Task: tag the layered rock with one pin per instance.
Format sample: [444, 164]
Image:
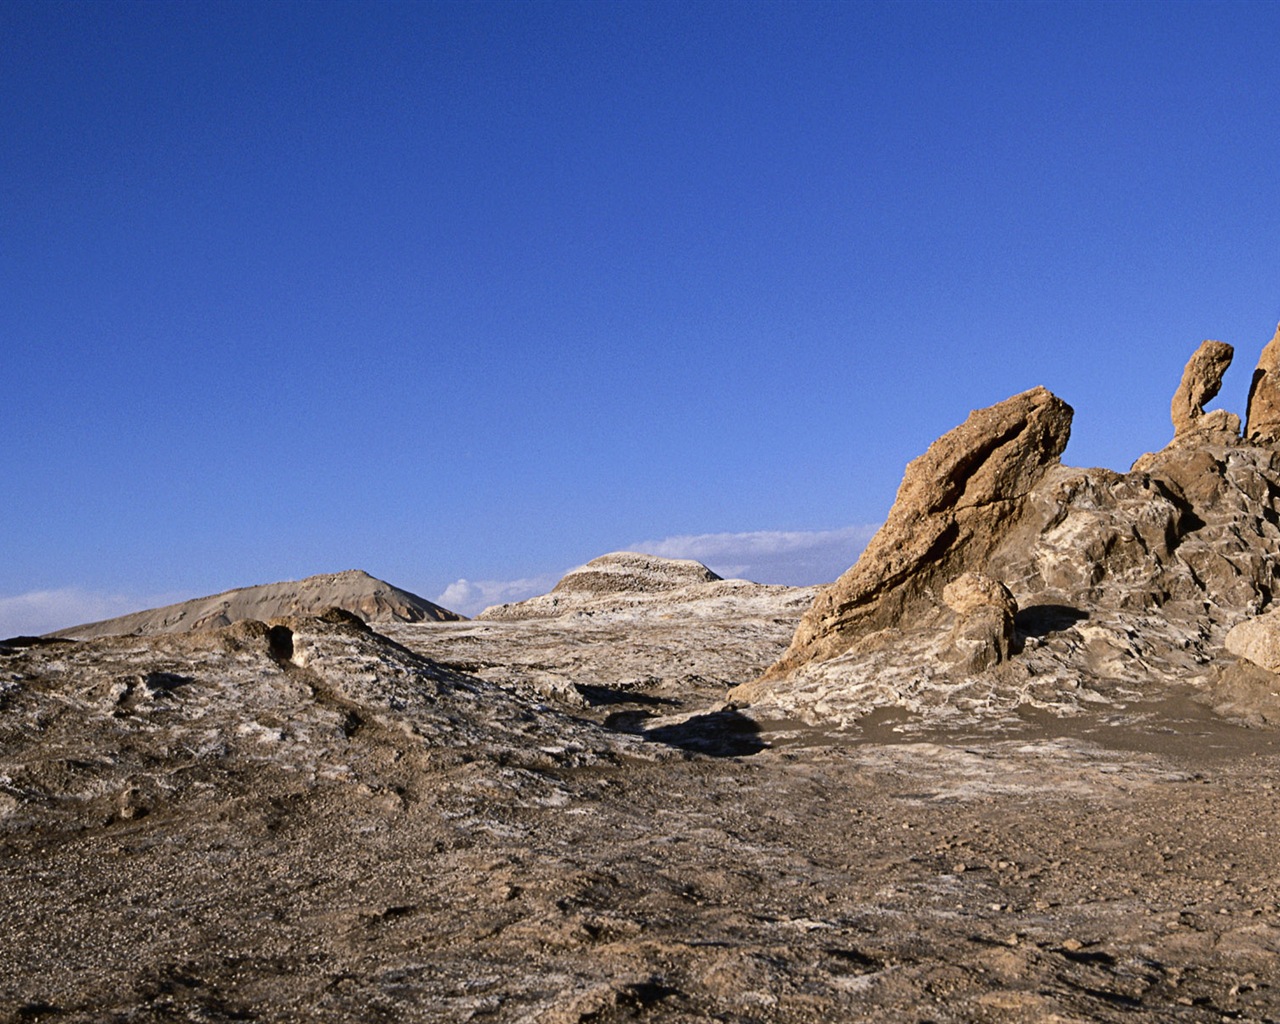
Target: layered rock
[1262, 417]
[353, 591]
[632, 572]
[953, 506]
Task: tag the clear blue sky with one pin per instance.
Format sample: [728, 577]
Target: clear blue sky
[481, 291]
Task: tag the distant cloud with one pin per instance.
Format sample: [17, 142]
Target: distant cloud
[797, 557]
[470, 597]
[43, 611]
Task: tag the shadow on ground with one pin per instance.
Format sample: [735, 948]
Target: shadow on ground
[1043, 619]
[716, 733]
[601, 695]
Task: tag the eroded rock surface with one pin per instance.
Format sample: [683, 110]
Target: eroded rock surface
[1127, 584]
[984, 610]
[1257, 640]
[951, 510]
[304, 821]
[371, 599]
[1262, 420]
[1201, 382]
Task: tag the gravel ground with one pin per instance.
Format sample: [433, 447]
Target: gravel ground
[590, 834]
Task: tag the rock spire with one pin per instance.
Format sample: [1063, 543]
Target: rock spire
[1262, 415]
[1201, 381]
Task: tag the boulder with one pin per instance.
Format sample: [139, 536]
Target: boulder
[1257, 640]
[1262, 415]
[985, 611]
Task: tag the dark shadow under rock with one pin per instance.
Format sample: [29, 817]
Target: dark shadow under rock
[597, 696]
[717, 733]
[1043, 619]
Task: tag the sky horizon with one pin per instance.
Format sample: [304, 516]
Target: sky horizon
[467, 294]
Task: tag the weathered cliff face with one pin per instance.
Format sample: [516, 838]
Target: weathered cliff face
[1124, 584]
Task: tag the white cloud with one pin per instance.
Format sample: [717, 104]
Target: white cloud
[796, 557]
[43, 611]
[469, 597]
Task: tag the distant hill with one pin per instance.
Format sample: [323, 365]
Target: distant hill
[627, 582]
[373, 600]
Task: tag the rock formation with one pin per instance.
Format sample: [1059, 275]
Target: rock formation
[354, 591]
[1257, 640]
[1129, 579]
[1262, 416]
[626, 581]
[629, 572]
[1201, 381]
[984, 610]
[951, 510]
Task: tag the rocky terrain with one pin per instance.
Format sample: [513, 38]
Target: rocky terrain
[1018, 764]
[1003, 581]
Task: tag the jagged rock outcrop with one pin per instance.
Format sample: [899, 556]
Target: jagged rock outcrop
[951, 509]
[1119, 580]
[1201, 382]
[1262, 416]
[353, 591]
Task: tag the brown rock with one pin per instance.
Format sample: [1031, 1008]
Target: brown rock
[983, 631]
[975, 590]
[951, 510]
[1257, 640]
[1262, 415]
[1201, 381]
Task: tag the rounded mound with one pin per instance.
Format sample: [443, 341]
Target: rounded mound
[628, 572]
